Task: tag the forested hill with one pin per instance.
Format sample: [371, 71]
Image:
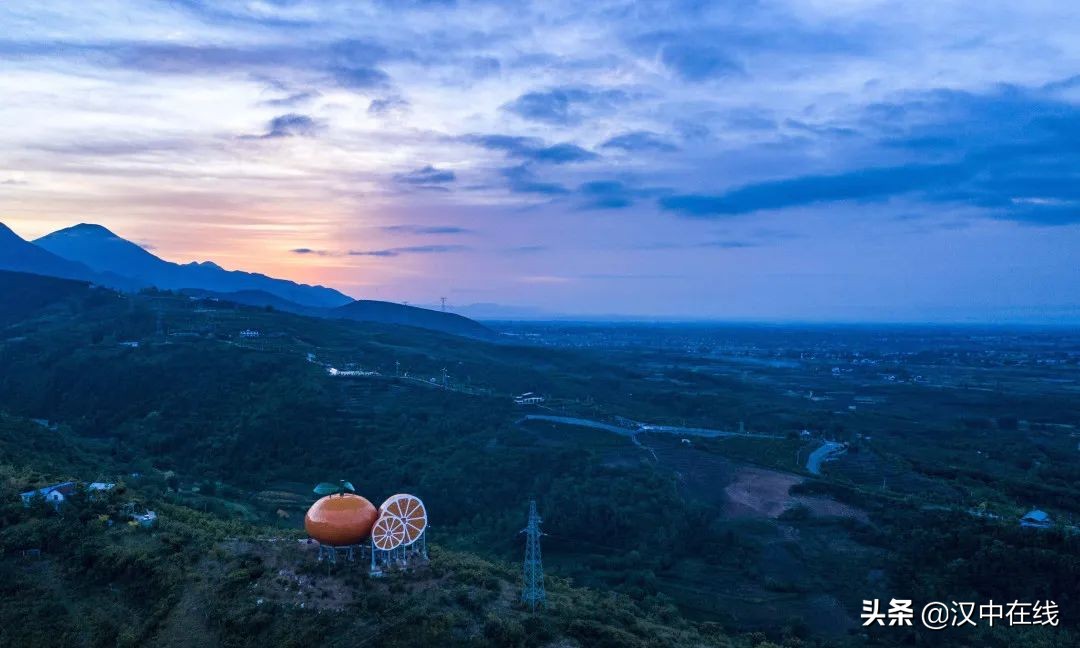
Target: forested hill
[221, 417]
[22, 295]
[223, 437]
[389, 313]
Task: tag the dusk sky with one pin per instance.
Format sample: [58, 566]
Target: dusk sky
[815, 160]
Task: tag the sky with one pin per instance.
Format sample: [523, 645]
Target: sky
[819, 160]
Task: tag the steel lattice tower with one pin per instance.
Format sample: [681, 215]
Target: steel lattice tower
[533, 594]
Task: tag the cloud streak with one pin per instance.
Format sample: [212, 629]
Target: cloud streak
[426, 229]
[427, 176]
[410, 249]
[564, 105]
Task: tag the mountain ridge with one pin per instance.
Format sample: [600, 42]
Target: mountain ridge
[93, 253]
[104, 251]
[367, 310]
[20, 255]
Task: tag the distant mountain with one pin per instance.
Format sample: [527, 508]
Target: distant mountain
[99, 249]
[362, 311]
[18, 255]
[390, 313]
[93, 253]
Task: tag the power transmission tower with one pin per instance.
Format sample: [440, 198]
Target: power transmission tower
[443, 300]
[533, 594]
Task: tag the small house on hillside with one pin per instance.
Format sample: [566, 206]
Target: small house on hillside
[1036, 519]
[58, 493]
[55, 494]
[529, 398]
[249, 333]
[97, 488]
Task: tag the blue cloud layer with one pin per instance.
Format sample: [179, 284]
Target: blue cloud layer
[1013, 151]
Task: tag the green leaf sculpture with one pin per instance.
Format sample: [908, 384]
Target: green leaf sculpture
[326, 488]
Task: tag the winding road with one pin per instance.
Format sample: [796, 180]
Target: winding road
[643, 427]
[828, 451]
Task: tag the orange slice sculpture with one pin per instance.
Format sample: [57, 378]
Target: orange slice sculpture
[388, 533]
[410, 510]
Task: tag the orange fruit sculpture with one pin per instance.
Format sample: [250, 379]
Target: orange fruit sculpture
[339, 520]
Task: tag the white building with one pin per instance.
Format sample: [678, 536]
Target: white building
[57, 494]
[529, 398]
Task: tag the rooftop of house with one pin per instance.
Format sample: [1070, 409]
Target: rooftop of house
[1036, 515]
[65, 488]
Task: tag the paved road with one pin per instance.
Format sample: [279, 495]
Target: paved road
[580, 422]
[829, 450]
[656, 429]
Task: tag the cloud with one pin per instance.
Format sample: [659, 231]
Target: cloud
[606, 195]
[217, 13]
[361, 78]
[861, 184]
[613, 194]
[825, 130]
[728, 244]
[291, 125]
[293, 99]
[522, 181]
[484, 66]
[699, 62]
[1010, 152]
[603, 276]
[525, 249]
[718, 244]
[426, 229]
[533, 149]
[701, 48]
[561, 154]
[563, 106]
[118, 147]
[639, 141]
[387, 105]
[312, 252]
[350, 63]
[412, 249]
[427, 176]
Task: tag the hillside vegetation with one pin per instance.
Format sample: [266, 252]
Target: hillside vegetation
[650, 540]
